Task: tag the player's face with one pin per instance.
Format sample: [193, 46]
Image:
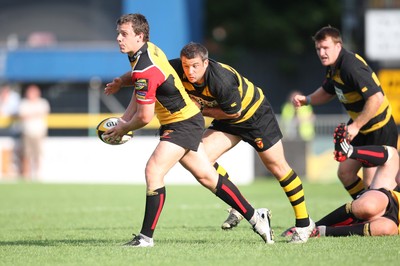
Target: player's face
[128, 41]
[194, 69]
[328, 51]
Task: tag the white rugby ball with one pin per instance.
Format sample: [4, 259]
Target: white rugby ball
[105, 125]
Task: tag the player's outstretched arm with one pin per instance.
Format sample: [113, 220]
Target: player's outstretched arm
[117, 83]
[318, 97]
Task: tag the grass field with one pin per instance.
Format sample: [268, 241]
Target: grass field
[54, 224]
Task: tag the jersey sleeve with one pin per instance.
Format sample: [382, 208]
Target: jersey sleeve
[146, 84]
[226, 91]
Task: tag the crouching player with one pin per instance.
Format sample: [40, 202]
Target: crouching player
[376, 211]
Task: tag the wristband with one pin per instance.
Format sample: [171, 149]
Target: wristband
[308, 100]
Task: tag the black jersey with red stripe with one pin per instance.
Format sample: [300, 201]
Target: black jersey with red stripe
[224, 87]
[353, 81]
[156, 81]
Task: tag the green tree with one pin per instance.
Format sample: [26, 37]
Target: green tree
[279, 26]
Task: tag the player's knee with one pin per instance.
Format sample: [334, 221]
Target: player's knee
[279, 169]
[384, 228]
[365, 210]
[346, 176]
[341, 174]
[389, 230]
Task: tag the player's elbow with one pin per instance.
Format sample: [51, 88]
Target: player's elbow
[144, 118]
[379, 98]
[236, 115]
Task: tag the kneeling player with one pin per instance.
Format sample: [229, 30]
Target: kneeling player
[376, 211]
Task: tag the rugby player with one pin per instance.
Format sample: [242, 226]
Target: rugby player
[159, 91]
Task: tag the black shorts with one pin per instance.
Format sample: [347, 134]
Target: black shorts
[186, 133]
[392, 209]
[386, 135]
[261, 130]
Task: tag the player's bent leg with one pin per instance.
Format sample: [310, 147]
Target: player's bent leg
[164, 157]
[370, 205]
[234, 216]
[275, 162]
[197, 163]
[385, 175]
[215, 144]
[348, 175]
[379, 227]
[259, 219]
[368, 174]
[383, 227]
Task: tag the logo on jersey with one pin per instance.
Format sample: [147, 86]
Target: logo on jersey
[141, 88]
[165, 134]
[140, 84]
[259, 143]
[152, 193]
[340, 95]
[135, 56]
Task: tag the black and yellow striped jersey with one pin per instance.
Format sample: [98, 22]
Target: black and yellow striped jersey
[353, 81]
[225, 88]
[156, 81]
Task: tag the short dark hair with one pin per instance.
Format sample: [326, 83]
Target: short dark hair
[139, 24]
[328, 31]
[192, 50]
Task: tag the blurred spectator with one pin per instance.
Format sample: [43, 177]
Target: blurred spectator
[41, 39]
[9, 104]
[33, 113]
[297, 123]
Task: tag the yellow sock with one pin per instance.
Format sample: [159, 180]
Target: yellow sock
[356, 188]
[293, 188]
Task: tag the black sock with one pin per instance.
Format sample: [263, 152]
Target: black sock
[230, 194]
[362, 229]
[154, 205]
[370, 155]
[340, 216]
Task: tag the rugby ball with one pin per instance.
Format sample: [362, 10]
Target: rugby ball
[105, 125]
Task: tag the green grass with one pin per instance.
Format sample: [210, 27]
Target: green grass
[52, 224]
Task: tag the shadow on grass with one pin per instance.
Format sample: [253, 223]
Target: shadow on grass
[202, 231]
[57, 242]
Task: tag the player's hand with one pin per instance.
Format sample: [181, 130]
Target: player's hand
[352, 132]
[116, 133]
[113, 87]
[299, 100]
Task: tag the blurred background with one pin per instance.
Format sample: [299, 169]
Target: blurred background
[68, 49]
